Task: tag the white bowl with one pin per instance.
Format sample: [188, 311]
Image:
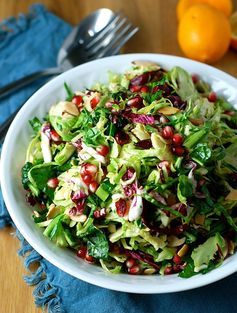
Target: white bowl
[13, 157]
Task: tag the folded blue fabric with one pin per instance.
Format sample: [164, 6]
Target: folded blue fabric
[30, 43]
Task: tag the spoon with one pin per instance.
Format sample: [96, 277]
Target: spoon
[74, 50]
[100, 34]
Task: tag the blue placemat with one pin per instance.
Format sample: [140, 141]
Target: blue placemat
[29, 43]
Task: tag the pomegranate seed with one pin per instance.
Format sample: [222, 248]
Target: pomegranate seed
[115, 249]
[78, 195]
[93, 186]
[122, 138]
[134, 270]
[201, 182]
[144, 144]
[54, 135]
[167, 132]
[78, 209]
[100, 213]
[195, 78]
[102, 150]
[163, 120]
[144, 78]
[212, 97]
[178, 230]
[53, 183]
[179, 151]
[96, 214]
[177, 140]
[130, 262]
[89, 258]
[77, 100]
[168, 270]
[87, 179]
[103, 212]
[178, 267]
[144, 89]
[121, 207]
[94, 101]
[88, 169]
[31, 200]
[230, 113]
[136, 102]
[135, 88]
[82, 252]
[177, 259]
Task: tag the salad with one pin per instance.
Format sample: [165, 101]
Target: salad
[138, 175]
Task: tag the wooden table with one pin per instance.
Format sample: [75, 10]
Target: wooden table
[157, 22]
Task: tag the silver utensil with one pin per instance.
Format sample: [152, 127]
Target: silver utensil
[100, 34]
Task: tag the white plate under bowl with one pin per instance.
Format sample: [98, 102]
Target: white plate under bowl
[13, 157]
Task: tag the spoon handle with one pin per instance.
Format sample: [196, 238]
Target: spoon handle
[6, 90]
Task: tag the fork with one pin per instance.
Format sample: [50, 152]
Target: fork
[107, 42]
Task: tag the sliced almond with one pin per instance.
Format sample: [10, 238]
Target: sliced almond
[36, 214]
[168, 110]
[174, 241]
[183, 250]
[79, 218]
[196, 121]
[70, 109]
[145, 63]
[199, 219]
[231, 247]
[53, 211]
[64, 109]
[232, 195]
[149, 271]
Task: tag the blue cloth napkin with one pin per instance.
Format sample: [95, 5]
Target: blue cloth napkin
[30, 43]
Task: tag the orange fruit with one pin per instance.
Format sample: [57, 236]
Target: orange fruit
[233, 24]
[224, 6]
[204, 33]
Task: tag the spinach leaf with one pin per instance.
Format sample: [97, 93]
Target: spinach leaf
[185, 188]
[150, 97]
[42, 216]
[41, 173]
[24, 174]
[202, 206]
[188, 271]
[93, 137]
[201, 153]
[35, 124]
[97, 245]
[220, 209]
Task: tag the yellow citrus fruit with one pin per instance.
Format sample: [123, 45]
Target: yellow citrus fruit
[204, 33]
[233, 24]
[224, 6]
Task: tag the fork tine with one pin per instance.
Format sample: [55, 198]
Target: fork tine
[115, 50]
[108, 38]
[117, 42]
[103, 33]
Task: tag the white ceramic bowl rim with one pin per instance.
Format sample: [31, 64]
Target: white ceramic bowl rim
[18, 137]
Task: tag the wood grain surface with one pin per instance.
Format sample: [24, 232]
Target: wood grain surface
[157, 22]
